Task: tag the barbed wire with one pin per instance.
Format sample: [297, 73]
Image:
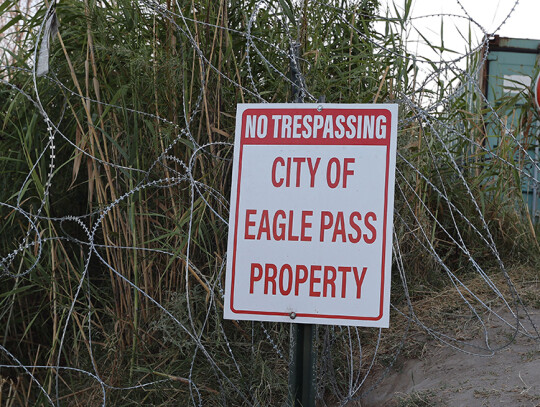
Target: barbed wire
[194, 324]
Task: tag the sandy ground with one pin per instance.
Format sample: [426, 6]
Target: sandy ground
[443, 376]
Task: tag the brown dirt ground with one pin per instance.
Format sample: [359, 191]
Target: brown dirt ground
[443, 376]
[438, 375]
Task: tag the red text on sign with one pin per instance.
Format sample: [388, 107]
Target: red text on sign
[319, 280]
[282, 168]
[278, 226]
[337, 228]
[287, 172]
[334, 173]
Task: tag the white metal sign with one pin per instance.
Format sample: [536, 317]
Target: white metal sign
[310, 228]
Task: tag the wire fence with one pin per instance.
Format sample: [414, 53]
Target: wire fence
[116, 154]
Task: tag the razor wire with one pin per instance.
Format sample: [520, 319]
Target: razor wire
[358, 352]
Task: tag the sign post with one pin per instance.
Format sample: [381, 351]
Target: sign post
[303, 362]
[310, 227]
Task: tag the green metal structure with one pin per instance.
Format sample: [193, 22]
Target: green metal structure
[508, 74]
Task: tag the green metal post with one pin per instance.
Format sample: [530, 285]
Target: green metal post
[302, 367]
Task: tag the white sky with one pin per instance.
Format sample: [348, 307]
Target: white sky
[523, 22]
[426, 21]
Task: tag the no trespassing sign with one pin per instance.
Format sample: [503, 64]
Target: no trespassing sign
[310, 226]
